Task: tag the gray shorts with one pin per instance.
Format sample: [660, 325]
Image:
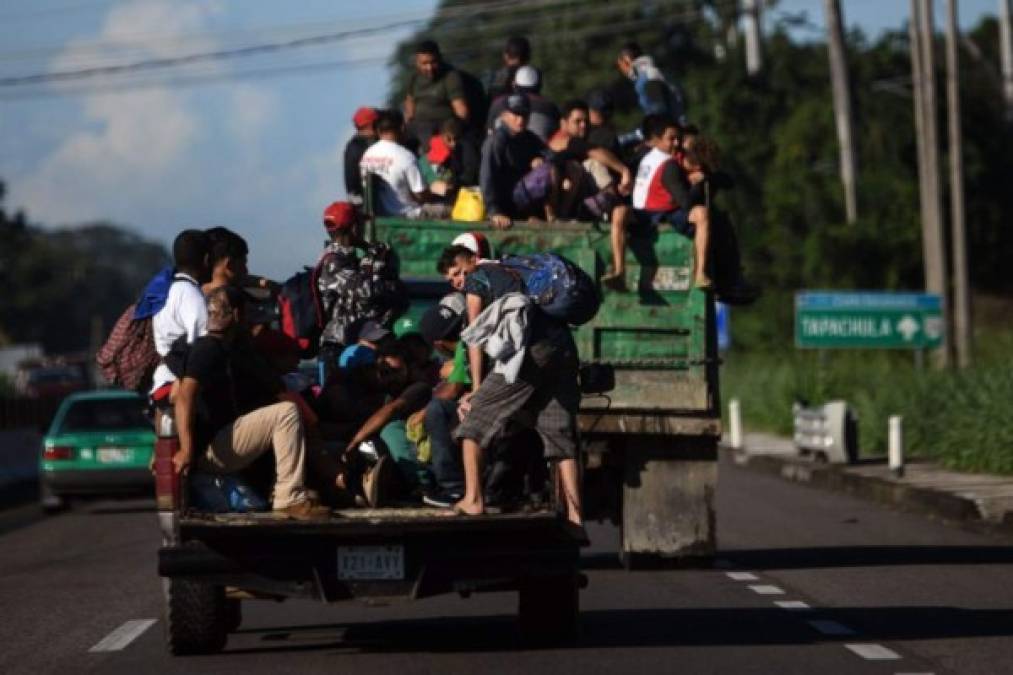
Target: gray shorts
[546, 391]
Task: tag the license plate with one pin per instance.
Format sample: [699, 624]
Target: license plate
[370, 562]
[113, 455]
[671, 279]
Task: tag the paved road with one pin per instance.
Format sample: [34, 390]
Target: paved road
[877, 583]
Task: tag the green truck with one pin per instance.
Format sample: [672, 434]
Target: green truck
[649, 463]
[650, 444]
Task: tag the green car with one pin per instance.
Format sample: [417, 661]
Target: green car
[99, 444]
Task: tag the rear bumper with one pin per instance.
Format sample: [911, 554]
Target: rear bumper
[301, 560]
[98, 482]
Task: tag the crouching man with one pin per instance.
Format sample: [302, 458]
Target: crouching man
[538, 384]
[221, 430]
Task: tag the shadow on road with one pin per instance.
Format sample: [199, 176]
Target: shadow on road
[621, 628]
[867, 556]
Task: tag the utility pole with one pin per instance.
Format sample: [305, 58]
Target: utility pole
[932, 209]
[961, 291]
[751, 14]
[1006, 49]
[842, 105]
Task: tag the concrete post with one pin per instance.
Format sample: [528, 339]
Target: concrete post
[735, 424]
[896, 447]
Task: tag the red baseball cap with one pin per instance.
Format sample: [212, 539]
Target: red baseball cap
[340, 216]
[363, 117]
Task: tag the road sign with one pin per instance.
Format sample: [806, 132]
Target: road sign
[876, 320]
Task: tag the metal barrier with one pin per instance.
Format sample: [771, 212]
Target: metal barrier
[828, 432]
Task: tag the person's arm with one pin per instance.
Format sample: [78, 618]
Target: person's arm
[474, 306]
[612, 162]
[674, 181]
[409, 108]
[375, 423]
[456, 95]
[460, 107]
[186, 398]
[486, 177]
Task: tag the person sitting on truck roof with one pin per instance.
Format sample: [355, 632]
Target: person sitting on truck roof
[655, 94]
[453, 158]
[544, 119]
[546, 385]
[513, 165]
[600, 130]
[364, 120]
[222, 424]
[516, 53]
[435, 93]
[185, 312]
[661, 194]
[401, 191]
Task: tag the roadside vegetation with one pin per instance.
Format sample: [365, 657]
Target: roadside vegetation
[958, 418]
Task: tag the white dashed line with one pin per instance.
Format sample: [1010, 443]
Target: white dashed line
[830, 627]
[123, 636]
[767, 590]
[742, 576]
[792, 604]
[873, 652]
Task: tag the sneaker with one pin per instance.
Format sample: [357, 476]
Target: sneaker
[442, 499]
[307, 509]
[380, 483]
[615, 281]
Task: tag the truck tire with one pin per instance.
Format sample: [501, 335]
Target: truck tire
[233, 614]
[196, 617]
[548, 610]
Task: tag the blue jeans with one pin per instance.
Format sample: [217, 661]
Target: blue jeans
[441, 418]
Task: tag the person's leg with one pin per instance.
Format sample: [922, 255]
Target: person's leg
[557, 425]
[275, 426]
[446, 459]
[700, 217]
[473, 502]
[617, 277]
[569, 478]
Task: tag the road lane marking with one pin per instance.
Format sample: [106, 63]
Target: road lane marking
[830, 627]
[767, 590]
[742, 576]
[123, 636]
[792, 604]
[873, 652]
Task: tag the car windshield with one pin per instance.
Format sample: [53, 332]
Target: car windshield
[105, 415]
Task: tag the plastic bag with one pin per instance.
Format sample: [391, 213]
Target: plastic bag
[469, 206]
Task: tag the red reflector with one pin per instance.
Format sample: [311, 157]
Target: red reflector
[58, 452]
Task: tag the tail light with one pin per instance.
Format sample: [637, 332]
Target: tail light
[166, 478]
[58, 452]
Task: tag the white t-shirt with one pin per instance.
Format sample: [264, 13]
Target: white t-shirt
[185, 313]
[396, 165]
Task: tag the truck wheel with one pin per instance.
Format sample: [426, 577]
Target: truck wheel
[197, 618]
[549, 610]
[233, 614]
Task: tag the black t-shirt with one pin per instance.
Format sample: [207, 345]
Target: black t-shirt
[491, 282]
[416, 397]
[208, 362]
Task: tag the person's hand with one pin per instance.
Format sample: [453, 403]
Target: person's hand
[537, 162]
[464, 405]
[625, 183]
[181, 462]
[439, 187]
[500, 222]
[416, 418]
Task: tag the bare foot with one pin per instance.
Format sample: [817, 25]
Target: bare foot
[703, 282]
[467, 507]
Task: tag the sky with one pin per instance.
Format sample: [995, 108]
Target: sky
[235, 141]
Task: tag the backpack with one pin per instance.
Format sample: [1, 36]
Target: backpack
[533, 189]
[128, 358]
[559, 287]
[301, 308]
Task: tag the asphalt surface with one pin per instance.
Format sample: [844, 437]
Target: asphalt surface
[931, 597]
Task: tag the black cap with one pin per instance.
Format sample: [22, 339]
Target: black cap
[518, 104]
[371, 331]
[442, 321]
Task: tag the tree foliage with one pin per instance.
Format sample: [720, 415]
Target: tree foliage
[776, 129]
[56, 281]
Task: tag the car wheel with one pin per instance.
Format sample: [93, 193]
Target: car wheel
[49, 501]
[196, 617]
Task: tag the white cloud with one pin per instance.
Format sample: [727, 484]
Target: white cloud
[128, 145]
[253, 109]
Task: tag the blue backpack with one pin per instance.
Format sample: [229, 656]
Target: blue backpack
[559, 287]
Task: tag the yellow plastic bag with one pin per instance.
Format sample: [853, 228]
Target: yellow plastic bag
[468, 206]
